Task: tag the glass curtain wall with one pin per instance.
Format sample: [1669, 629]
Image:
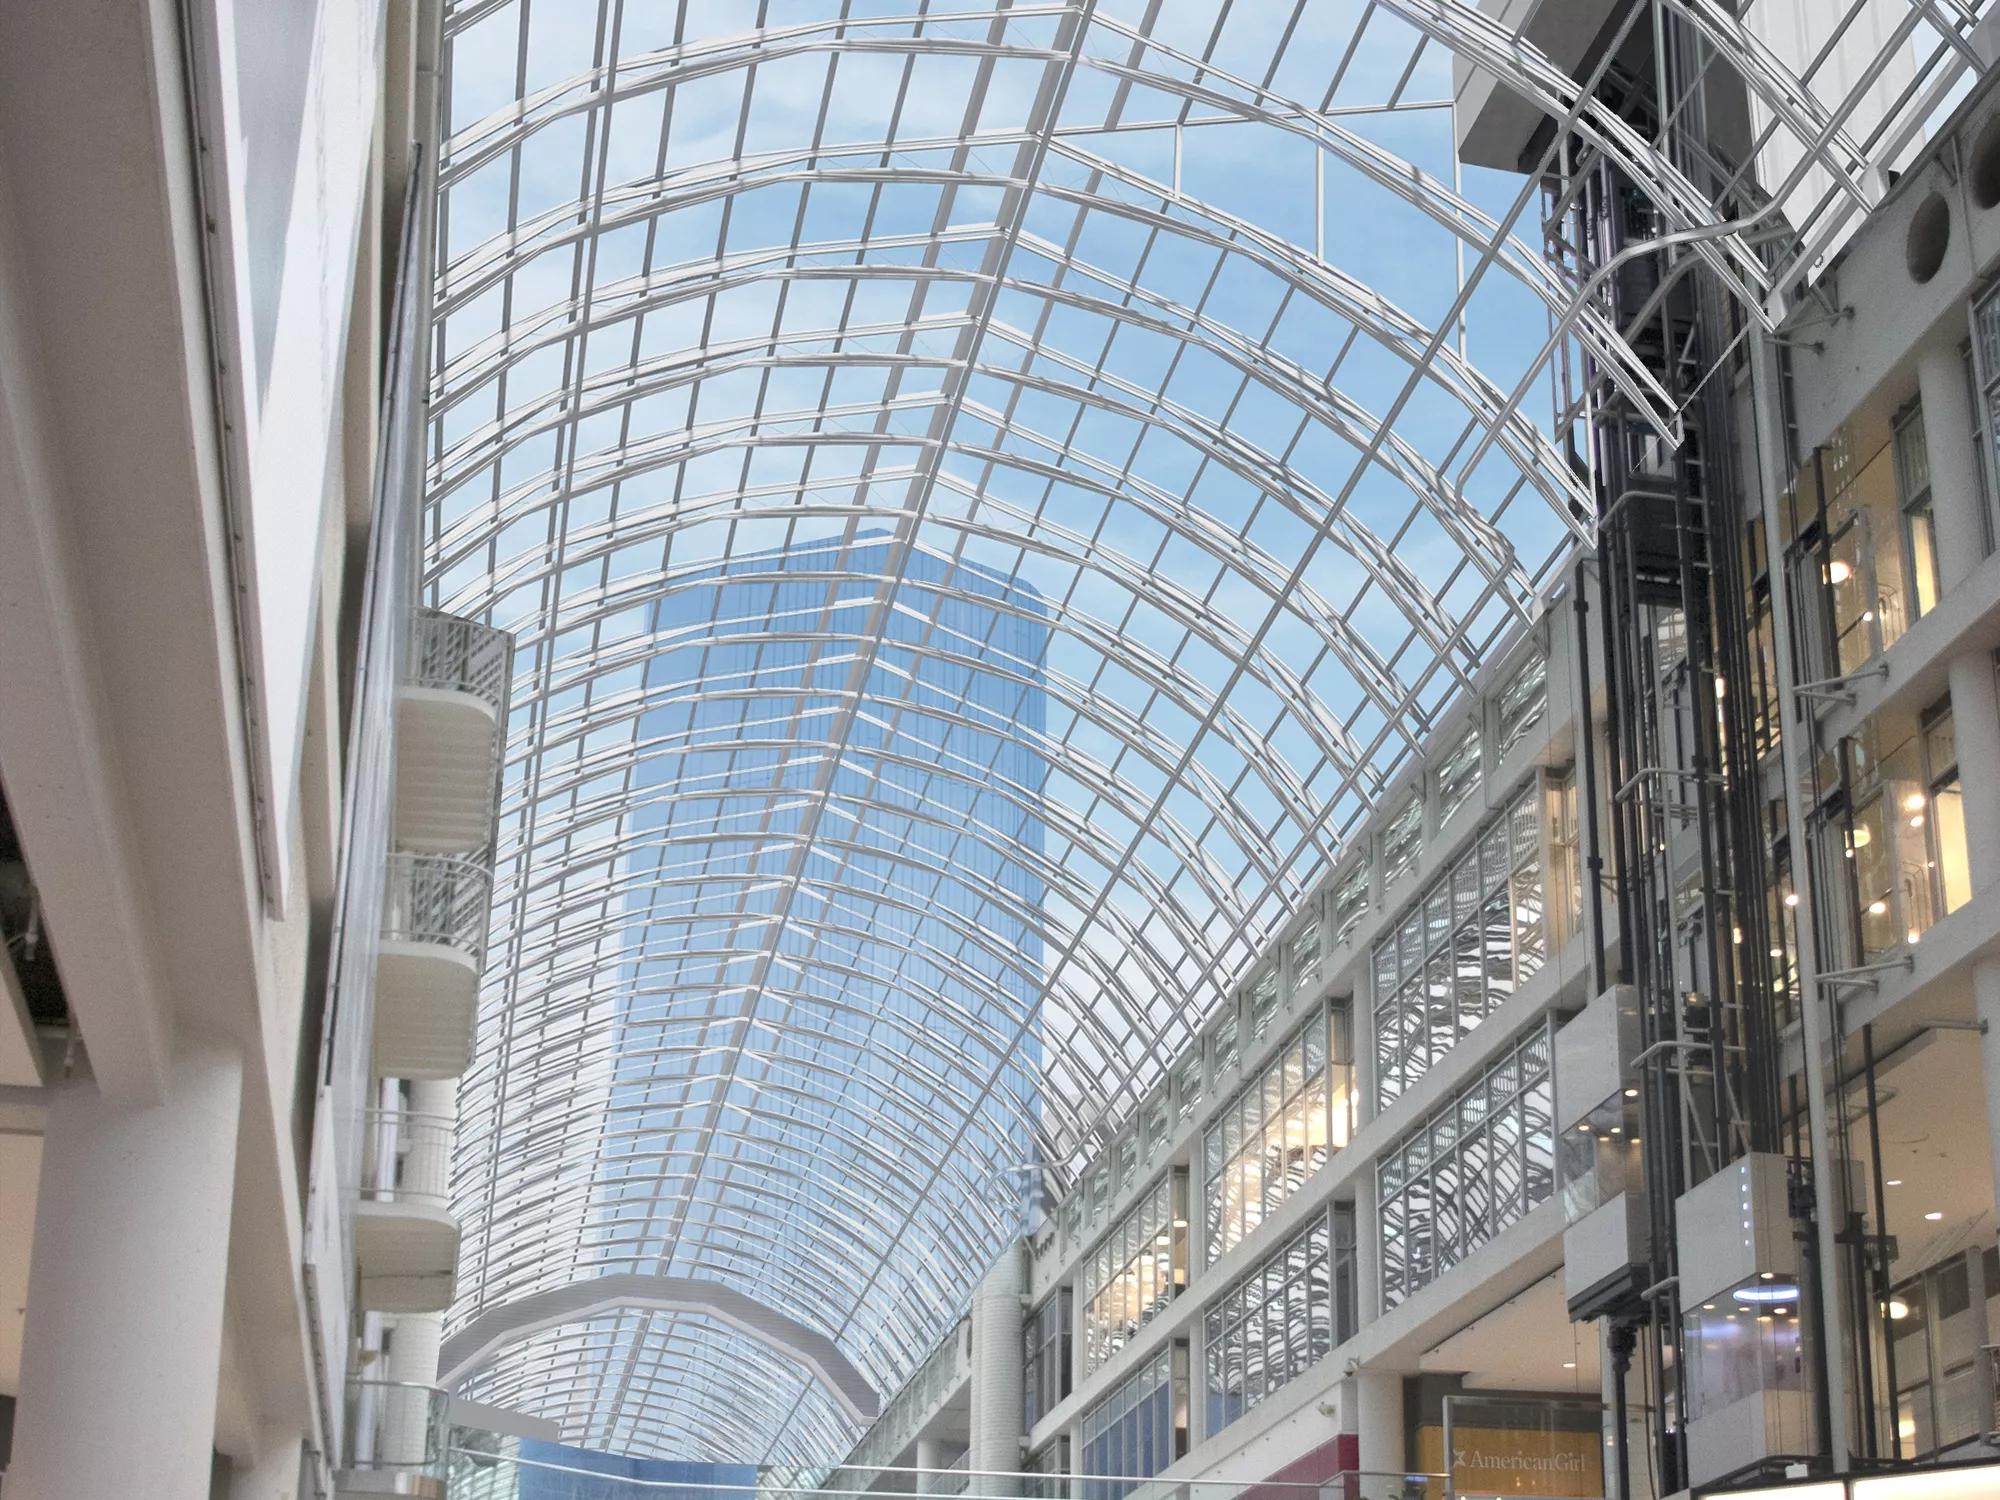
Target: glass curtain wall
[1888, 836]
[1279, 1318]
[1139, 1428]
[1048, 1354]
[1473, 937]
[1475, 1166]
[1940, 1319]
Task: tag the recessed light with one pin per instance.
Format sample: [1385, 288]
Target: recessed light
[1569, 1364]
[1894, 1182]
[1933, 1216]
[1631, 1093]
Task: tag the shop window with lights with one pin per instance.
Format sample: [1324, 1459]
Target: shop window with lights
[1850, 585]
[1944, 812]
[1279, 1318]
[1936, 1329]
[1279, 1129]
[1781, 918]
[1479, 1162]
[1136, 1270]
[1913, 487]
[1874, 884]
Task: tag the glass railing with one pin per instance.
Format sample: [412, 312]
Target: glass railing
[396, 1427]
[490, 1470]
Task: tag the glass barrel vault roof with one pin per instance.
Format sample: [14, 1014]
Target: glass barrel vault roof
[988, 497]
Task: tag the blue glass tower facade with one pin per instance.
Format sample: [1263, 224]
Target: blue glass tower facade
[835, 839]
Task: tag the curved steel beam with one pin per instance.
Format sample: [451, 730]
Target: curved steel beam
[478, 1341]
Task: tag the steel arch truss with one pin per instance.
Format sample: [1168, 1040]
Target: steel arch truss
[988, 497]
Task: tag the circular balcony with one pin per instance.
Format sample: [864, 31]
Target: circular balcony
[432, 946]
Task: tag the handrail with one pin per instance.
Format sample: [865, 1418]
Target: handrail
[438, 898]
[407, 1158]
[460, 654]
[394, 1424]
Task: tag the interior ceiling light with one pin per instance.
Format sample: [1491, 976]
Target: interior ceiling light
[1768, 1293]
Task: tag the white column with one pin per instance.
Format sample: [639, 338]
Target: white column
[121, 1347]
[274, 1474]
[930, 1463]
[996, 1372]
[412, 1368]
[1956, 500]
[1367, 1249]
[1378, 1421]
[1975, 701]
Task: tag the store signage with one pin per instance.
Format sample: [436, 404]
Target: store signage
[1493, 1461]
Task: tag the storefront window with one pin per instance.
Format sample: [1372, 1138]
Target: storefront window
[1187, 1086]
[1913, 485]
[1475, 1166]
[1874, 847]
[1138, 1429]
[1934, 1324]
[1140, 1266]
[1462, 948]
[1260, 1002]
[1850, 580]
[1951, 879]
[1277, 1131]
[1279, 1318]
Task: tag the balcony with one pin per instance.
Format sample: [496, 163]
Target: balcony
[434, 913]
[451, 713]
[405, 1239]
[395, 1441]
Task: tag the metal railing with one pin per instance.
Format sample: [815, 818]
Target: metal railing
[449, 651]
[392, 1425]
[937, 1377]
[486, 1474]
[408, 1158]
[438, 898]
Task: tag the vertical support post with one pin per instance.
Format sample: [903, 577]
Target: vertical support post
[997, 1373]
[121, 1346]
[1829, 1209]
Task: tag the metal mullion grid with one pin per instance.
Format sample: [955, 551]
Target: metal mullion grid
[943, 207]
[1154, 1047]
